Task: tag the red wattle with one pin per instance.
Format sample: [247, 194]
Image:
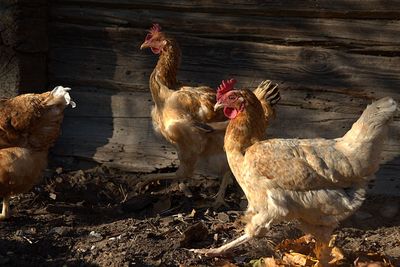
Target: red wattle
[155, 50]
[231, 113]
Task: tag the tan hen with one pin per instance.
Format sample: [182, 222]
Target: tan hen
[319, 182]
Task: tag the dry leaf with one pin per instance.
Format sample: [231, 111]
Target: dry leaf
[225, 263]
[267, 262]
[372, 260]
[299, 259]
[332, 241]
[304, 245]
[192, 214]
[337, 255]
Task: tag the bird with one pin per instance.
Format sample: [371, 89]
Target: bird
[29, 126]
[185, 117]
[318, 182]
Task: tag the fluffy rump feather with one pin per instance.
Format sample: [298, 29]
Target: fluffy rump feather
[60, 93]
[334, 205]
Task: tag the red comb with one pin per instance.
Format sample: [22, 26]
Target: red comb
[155, 28]
[225, 87]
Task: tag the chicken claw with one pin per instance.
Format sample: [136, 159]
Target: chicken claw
[220, 196]
[220, 201]
[153, 177]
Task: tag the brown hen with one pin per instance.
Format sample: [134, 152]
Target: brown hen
[318, 182]
[29, 126]
[181, 114]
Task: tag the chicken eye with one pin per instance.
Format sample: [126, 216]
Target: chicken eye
[231, 97]
[148, 37]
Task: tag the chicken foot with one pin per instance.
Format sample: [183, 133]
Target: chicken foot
[5, 213]
[322, 253]
[213, 252]
[259, 222]
[152, 177]
[322, 236]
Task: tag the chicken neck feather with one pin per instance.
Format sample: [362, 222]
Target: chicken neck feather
[246, 129]
[166, 71]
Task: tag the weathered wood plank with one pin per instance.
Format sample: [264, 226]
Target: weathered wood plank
[117, 63]
[373, 9]
[321, 32]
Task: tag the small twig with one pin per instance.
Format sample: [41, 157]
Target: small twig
[152, 225]
[171, 209]
[180, 232]
[27, 239]
[34, 199]
[124, 194]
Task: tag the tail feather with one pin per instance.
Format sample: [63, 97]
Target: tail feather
[363, 143]
[268, 94]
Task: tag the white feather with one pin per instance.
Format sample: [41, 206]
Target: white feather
[62, 92]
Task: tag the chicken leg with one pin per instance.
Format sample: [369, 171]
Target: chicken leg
[258, 223]
[213, 252]
[5, 213]
[322, 235]
[187, 160]
[220, 196]
[322, 253]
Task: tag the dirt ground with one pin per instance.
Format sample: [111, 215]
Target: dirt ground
[95, 218]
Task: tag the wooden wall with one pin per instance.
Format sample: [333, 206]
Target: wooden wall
[23, 46]
[330, 58]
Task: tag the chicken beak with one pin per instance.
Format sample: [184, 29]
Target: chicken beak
[218, 105]
[144, 45]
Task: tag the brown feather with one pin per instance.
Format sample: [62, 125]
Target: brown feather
[29, 126]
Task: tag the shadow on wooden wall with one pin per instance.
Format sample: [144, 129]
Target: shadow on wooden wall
[75, 60]
[330, 62]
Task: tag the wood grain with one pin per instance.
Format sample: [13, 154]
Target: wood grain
[372, 9]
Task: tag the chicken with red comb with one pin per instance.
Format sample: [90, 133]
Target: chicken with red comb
[185, 116]
[317, 182]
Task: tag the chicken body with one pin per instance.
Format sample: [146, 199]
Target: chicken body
[319, 182]
[183, 114]
[179, 114]
[29, 126]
